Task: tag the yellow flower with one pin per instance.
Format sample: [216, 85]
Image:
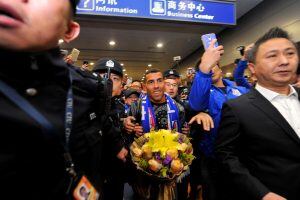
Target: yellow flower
[163, 140]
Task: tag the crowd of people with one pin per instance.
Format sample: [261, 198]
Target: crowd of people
[66, 130]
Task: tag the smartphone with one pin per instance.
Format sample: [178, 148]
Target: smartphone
[75, 54]
[207, 39]
[185, 91]
[190, 71]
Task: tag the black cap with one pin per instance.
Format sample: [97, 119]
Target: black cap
[171, 72]
[74, 4]
[103, 64]
[129, 92]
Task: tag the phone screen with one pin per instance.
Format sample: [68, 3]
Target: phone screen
[75, 54]
[207, 39]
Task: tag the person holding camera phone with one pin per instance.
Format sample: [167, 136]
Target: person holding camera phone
[190, 75]
[208, 93]
[242, 65]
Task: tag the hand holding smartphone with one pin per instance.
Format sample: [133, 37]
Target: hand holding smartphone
[75, 54]
[212, 54]
[207, 39]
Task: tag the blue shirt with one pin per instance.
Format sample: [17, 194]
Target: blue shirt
[205, 96]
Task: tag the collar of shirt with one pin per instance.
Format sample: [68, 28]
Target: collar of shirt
[271, 95]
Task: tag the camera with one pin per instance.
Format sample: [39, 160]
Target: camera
[241, 49]
[191, 71]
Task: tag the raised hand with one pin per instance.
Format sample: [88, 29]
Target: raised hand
[211, 57]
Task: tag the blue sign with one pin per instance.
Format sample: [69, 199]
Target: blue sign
[215, 12]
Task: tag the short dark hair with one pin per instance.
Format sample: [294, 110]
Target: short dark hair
[273, 33]
[152, 71]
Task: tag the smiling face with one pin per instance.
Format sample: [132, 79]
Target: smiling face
[155, 87]
[35, 25]
[276, 63]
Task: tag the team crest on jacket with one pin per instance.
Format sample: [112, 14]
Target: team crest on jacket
[236, 92]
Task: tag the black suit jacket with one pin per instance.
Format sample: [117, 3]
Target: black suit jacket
[258, 150]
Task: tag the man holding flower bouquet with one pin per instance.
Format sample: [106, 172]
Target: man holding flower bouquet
[155, 111]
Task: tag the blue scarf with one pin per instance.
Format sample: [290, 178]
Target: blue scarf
[148, 115]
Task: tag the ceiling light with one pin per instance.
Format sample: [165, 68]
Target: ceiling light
[159, 45]
[149, 65]
[61, 41]
[112, 43]
[126, 74]
[147, 70]
[124, 70]
[92, 63]
[122, 64]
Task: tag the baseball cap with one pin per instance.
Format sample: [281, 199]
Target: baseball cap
[129, 92]
[103, 64]
[171, 72]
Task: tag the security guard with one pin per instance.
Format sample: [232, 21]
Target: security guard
[51, 138]
[115, 151]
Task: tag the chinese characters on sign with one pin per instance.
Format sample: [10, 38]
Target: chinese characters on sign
[184, 10]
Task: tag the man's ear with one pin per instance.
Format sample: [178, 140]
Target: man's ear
[251, 67]
[72, 32]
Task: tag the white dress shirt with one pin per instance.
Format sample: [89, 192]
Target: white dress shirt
[287, 105]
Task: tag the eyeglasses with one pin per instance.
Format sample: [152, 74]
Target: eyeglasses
[172, 84]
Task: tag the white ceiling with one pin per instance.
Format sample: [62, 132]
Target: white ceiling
[136, 40]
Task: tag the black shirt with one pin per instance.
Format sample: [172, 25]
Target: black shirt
[30, 163]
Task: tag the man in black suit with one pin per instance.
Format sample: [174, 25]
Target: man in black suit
[258, 144]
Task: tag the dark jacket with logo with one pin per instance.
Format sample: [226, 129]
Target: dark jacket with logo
[32, 163]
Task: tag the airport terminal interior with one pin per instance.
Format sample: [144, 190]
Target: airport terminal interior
[150, 100]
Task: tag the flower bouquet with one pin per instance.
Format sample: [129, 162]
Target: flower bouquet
[163, 154]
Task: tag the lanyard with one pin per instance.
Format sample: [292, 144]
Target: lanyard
[46, 126]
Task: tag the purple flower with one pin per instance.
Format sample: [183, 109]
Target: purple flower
[180, 140]
[167, 160]
[157, 156]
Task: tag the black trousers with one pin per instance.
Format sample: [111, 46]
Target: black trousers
[114, 182]
[209, 175]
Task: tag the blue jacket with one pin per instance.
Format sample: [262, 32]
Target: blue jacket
[238, 74]
[204, 96]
